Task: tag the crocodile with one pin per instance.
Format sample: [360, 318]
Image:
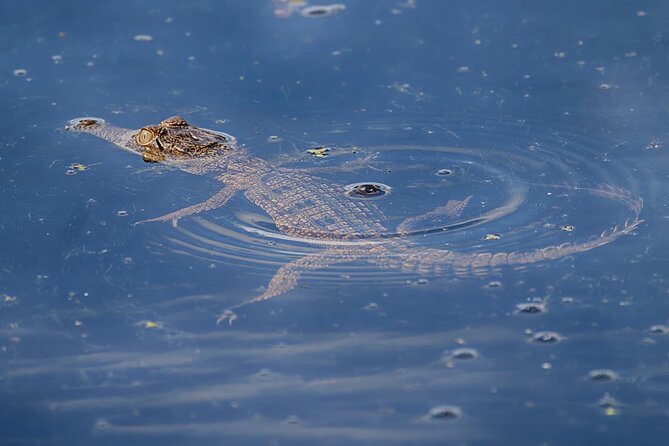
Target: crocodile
[305, 205]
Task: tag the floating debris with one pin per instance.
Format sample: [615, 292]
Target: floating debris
[319, 152]
[567, 228]
[57, 58]
[122, 213]
[150, 324]
[20, 72]
[143, 37]
[322, 11]
[489, 237]
[444, 172]
[78, 167]
[8, 301]
[654, 144]
[463, 69]
[610, 407]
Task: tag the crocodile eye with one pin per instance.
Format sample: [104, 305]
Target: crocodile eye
[144, 137]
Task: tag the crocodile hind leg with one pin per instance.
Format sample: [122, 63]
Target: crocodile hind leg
[286, 277]
[452, 209]
[215, 201]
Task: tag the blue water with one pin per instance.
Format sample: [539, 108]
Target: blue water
[107, 328]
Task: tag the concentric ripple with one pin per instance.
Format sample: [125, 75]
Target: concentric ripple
[503, 187]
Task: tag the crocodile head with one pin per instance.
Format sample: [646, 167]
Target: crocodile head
[173, 141]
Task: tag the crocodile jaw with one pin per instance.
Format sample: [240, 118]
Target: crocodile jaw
[99, 127]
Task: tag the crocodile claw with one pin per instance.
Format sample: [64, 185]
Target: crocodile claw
[228, 315]
[162, 219]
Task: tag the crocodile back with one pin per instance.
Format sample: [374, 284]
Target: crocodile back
[306, 206]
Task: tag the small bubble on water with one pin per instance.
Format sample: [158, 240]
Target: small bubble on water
[659, 329]
[546, 337]
[293, 420]
[20, 72]
[445, 413]
[531, 308]
[444, 172]
[322, 11]
[143, 37]
[602, 375]
[462, 354]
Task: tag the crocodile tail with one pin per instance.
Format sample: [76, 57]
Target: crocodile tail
[430, 261]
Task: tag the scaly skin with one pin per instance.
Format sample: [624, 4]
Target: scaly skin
[306, 206]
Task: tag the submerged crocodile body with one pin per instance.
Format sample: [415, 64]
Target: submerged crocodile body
[307, 206]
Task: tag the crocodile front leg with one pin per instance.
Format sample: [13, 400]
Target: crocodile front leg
[215, 201]
[452, 209]
[286, 277]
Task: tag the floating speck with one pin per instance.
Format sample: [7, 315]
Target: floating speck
[641, 13]
[322, 11]
[293, 420]
[444, 172]
[546, 337]
[122, 213]
[149, 324]
[445, 413]
[605, 86]
[631, 54]
[143, 37]
[560, 54]
[567, 228]
[422, 281]
[531, 308]
[490, 237]
[602, 375]
[659, 329]
[78, 323]
[273, 138]
[372, 306]
[20, 72]
[463, 69]
[462, 354]
[57, 58]
[494, 284]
